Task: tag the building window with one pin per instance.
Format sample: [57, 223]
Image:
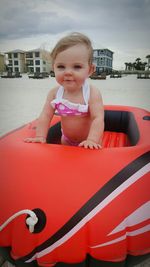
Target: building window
[16, 69]
[16, 62]
[101, 52]
[29, 55]
[9, 55]
[37, 54]
[29, 62]
[15, 55]
[101, 61]
[37, 62]
[10, 63]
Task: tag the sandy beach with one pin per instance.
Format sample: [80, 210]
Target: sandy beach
[22, 99]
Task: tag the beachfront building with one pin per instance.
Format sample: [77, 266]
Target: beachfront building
[38, 60]
[148, 63]
[103, 59]
[2, 62]
[16, 61]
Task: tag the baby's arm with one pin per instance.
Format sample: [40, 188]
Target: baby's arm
[43, 120]
[96, 109]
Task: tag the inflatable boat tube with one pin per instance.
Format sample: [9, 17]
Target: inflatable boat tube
[70, 206]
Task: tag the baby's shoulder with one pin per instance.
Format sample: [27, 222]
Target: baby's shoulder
[94, 91]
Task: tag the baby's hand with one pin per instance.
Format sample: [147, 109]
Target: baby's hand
[90, 144]
[38, 139]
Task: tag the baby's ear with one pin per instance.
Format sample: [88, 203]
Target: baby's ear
[92, 69]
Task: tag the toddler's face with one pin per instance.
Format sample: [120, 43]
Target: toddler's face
[72, 66]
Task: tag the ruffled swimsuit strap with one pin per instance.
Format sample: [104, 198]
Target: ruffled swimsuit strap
[60, 92]
[65, 107]
[86, 92]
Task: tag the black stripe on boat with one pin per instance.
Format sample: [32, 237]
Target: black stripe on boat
[94, 201]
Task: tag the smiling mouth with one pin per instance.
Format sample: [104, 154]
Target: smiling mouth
[67, 80]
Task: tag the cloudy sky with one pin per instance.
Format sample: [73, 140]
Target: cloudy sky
[122, 26]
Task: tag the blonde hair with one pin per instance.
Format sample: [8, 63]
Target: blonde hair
[71, 40]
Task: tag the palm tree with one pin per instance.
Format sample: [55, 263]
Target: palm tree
[138, 59]
[138, 64]
[126, 65]
[130, 66]
[134, 65]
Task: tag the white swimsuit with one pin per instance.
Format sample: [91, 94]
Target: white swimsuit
[64, 107]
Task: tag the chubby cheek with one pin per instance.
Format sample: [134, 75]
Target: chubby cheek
[58, 76]
[83, 76]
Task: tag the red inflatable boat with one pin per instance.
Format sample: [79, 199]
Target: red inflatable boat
[70, 206]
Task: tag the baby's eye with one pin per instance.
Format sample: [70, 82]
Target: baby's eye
[60, 67]
[77, 67]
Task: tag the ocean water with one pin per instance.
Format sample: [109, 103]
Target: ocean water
[22, 99]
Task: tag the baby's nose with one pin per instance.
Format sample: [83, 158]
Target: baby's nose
[68, 71]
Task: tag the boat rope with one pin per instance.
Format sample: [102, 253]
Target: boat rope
[30, 221]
